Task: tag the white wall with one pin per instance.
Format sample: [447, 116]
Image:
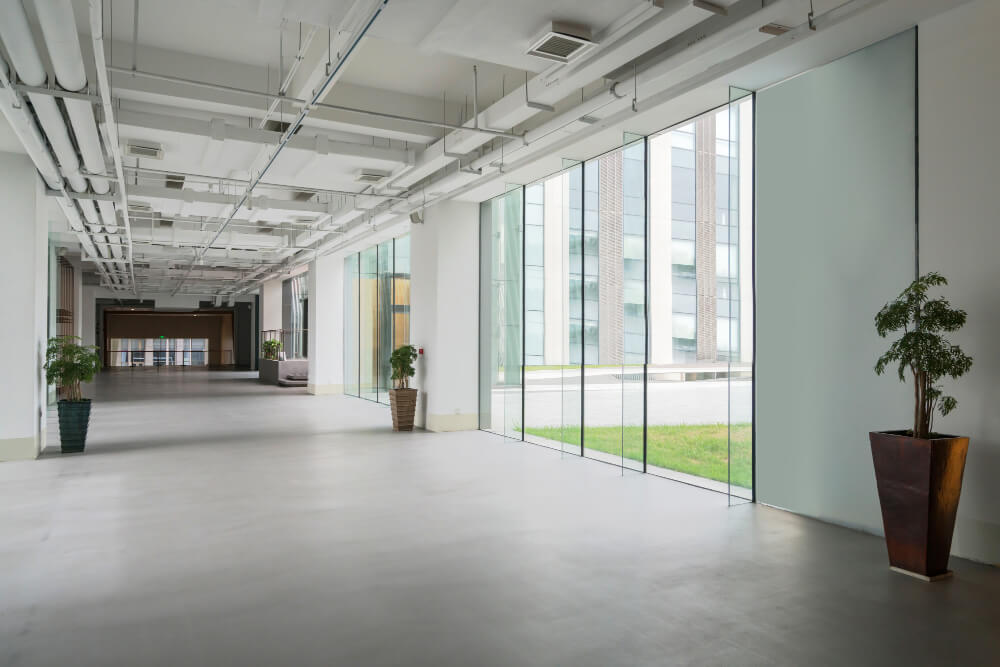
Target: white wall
[326, 325]
[835, 241]
[960, 237]
[24, 265]
[444, 320]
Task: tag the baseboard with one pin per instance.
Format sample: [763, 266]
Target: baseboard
[20, 449]
[459, 422]
[325, 389]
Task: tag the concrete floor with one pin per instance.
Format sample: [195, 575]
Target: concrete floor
[215, 521]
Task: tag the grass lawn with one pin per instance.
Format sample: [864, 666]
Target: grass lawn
[696, 449]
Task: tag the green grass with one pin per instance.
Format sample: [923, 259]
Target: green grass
[696, 449]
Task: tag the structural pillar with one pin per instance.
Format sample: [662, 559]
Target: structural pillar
[326, 325]
[444, 319]
[24, 262]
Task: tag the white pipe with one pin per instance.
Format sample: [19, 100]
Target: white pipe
[24, 127]
[97, 33]
[59, 29]
[16, 35]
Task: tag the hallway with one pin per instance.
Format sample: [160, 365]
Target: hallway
[214, 520]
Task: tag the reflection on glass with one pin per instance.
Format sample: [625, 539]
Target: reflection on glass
[500, 314]
[368, 329]
[385, 304]
[351, 324]
[376, 316]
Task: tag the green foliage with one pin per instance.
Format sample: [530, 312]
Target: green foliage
[271, 348]
[67, 364]
[923, 350]
[401, 361]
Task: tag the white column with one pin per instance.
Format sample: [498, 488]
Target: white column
[270, 304]
[24, 262]
[326, 325]
[444, 319]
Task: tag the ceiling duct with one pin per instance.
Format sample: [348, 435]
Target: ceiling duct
[148, 150]
[371, 176]
[562, 42]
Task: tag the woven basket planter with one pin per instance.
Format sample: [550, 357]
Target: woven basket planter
[404, 405]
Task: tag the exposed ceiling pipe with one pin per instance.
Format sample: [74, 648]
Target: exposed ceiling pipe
[113, 144]
[14, 109]
[293, 127]
[319, 105]
[59, 29]
[653, 70]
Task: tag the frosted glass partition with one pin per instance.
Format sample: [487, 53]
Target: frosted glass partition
[835, 241]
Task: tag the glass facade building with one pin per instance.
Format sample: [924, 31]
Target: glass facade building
[617, 306]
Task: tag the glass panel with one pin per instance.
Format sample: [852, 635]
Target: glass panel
[501, 256]
[368, 327]
[614, 319]
[738, 294]
[700, 304]
[552, 373]
[351, 323]
[401, 292]
[385, 336]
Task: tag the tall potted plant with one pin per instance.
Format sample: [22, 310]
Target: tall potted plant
[918, 471]
[67, 365]
[402, 399]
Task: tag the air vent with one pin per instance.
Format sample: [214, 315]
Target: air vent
[562, 42]
[175, 181]
[302, 195]
[370, 176]
[144, 150]
[166, 223]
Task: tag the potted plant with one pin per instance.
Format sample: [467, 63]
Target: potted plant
[402, 399]
[918, 471]
[271, 349]
[67, 364]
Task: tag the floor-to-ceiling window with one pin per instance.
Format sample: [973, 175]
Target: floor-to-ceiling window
[637, 314]
[501, 330]
[376, 316]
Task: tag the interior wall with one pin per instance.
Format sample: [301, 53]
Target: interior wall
[835, 241]
[960, 236]
[24, 253]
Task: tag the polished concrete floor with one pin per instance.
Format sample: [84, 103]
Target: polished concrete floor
[215, 521]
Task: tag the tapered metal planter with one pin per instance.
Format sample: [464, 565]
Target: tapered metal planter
[74, 419]
[919, 484]
[404, 405]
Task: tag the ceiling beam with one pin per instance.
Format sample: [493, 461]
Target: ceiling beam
[310, 141]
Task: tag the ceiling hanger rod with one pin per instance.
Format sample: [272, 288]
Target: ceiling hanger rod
[319, 105]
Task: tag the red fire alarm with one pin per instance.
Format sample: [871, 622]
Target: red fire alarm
[420, 351]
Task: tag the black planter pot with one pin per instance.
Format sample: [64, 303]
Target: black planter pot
[74, 418]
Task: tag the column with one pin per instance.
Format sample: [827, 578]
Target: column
[326, 325]
[444, 319]
[24, 258]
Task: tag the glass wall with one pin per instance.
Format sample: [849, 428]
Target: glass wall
[135, 352]
[501, 331]
[376, 316]
[637, 305]
[295, 316]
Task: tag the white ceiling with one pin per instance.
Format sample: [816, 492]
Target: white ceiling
[417, 52]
